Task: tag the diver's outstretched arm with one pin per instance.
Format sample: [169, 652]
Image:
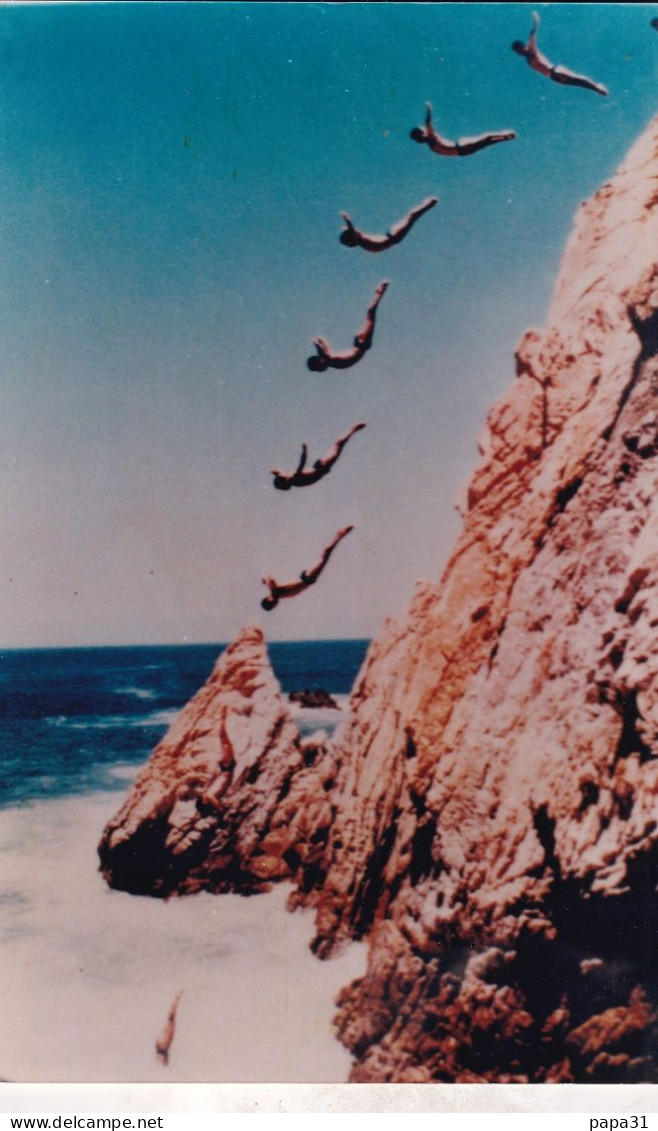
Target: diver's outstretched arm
[319, 361]
[532, 38]
[437, 144]
[286, 479]
[271, 601]
[302, 460]
[322, 346]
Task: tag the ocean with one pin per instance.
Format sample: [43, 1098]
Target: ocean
[76, 720]
[87, 975]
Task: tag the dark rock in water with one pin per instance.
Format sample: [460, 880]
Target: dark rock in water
[317, 697]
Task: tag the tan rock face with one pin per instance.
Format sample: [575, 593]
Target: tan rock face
[218, 804]
[488, 816]
[498, 780]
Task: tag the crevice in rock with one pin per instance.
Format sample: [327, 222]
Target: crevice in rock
[422, 862]
[494, 650]
[630, 741]
[285, 787]
[312, 877]
[372, 886]
[545, 828]
[647, 331]
[645, 447]
[633, 586]
[410, 749]
[253, 774]
[590, 793]
[419, 802]
[565, 494]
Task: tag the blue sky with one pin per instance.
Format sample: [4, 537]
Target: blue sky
[172, 178]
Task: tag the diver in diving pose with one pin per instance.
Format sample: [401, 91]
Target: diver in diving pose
[306, 577]
[464, 147]
[541, 64]
[326, 358]
[163, 1043]
[303, 477]
[352, 237]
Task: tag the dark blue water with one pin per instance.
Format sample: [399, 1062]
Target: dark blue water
[71, 718]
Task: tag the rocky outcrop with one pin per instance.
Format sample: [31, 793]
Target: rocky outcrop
[488, 814]
[496, 821]
[314, 698]
[218, 805]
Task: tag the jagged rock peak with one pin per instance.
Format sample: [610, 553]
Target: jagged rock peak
[205, 810]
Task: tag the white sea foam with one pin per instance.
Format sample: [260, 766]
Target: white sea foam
[123, 771]
[162, 718]
[87, 975]
[138, 692]
[156, 718]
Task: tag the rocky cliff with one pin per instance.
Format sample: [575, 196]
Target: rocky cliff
[497, 816]
[231, 799]
[488, 817]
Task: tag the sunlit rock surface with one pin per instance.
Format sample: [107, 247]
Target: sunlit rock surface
[217, 807]
[487, 816]
[496, 805]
